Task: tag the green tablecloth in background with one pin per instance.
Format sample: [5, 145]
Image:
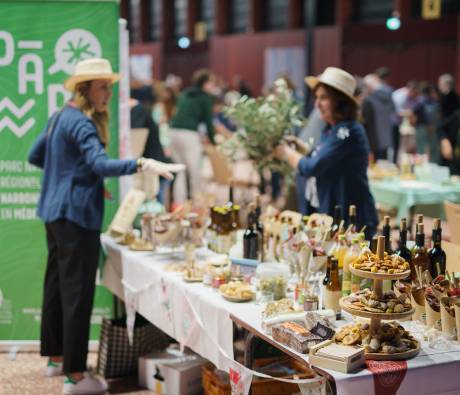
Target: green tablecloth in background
[404, 195]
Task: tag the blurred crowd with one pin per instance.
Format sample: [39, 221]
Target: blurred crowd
[418, 118]
[181, 120]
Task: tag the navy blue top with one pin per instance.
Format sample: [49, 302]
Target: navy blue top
[339, 163]
[75, 163]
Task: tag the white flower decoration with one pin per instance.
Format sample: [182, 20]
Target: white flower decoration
[343, 133]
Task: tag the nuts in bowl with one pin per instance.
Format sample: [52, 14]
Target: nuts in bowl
[391, 264]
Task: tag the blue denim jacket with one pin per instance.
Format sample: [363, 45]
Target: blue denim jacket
[339, 163]
[75, 164]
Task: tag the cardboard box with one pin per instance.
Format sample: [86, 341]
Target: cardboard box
[171, 372]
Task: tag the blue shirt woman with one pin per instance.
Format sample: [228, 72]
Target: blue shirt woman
[75, 163]
[71, 152]
[339, 162]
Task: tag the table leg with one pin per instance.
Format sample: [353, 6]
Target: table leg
[249, 346]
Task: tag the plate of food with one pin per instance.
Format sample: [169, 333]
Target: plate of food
[391, 342]
[237, 292]
[392, 267]
[193, 274]
[197, 279]
[141, 245]
[176, 267]
[388, 306]
[125, 239]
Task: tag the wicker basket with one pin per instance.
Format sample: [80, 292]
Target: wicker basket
[214, 385]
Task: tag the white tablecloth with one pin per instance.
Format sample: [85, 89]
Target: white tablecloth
[199, 318]
[431, 372]
[195, 315]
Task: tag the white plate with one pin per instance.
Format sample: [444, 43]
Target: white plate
[166, 250]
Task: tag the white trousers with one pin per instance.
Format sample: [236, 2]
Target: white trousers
[186, 148]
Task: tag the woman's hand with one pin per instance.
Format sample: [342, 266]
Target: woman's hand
[287, 154]
[163, 169]
[298, 144]
[280, 151]
[446, 149]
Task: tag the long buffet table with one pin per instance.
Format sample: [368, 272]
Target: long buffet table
[199, 318]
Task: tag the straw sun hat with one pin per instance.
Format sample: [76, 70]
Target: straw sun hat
[335, 78]
[89, 70]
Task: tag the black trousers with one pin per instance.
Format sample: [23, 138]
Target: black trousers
[73, 255]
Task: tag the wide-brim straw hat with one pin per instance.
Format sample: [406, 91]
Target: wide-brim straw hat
[90, 70]
[336, 78]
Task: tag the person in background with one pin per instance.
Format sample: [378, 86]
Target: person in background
[377, 112]
[449, 123]
[141, 117]
[175, 83]
[162, 113]
[71, 150]
[194, 106]
[222, 124]
[410, 105]
[337, 168]
[383, 74]
[240, 86]
[431, 113]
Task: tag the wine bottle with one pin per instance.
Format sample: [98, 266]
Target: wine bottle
[437, 254]
[386, 231]
[402, 249]
[230, 202]
[349, 258]
[251, 238]
[419, 221]
[259, 227]
[336, 220]
[420, 256]
[352, 218]
[333, 291]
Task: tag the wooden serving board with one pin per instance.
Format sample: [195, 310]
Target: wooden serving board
[145, 247]
[379, 276]
[401, 356]
[237, 300]
[349, 308]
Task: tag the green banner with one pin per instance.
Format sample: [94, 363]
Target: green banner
[40, 43]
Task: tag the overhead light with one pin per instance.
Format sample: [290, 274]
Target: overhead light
[183, 42]
[394, 23]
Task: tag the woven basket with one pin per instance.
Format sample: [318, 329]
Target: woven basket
[215, 385]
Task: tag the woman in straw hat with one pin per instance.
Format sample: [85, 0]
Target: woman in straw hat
[71, 151]
[337, 168]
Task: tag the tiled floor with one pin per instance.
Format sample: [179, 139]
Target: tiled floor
[24, 376]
